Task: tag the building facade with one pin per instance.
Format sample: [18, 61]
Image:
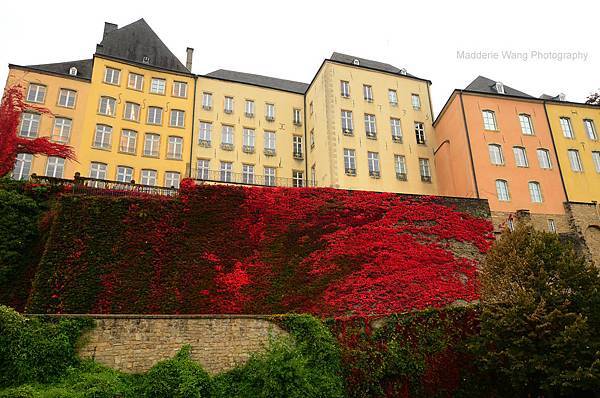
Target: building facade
[496, 144]
[369, 127]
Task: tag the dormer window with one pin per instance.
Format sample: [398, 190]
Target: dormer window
[146, 60]
[500, 88]
[562, 97]
[73, 71]
[403, 71]
[356, 62]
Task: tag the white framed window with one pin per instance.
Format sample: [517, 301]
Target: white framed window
[345, 88]
[135, 81]
[158, 86]
[177, 118]
[248, 138]
[148, 177]
[152, 145]
[155, 115]
[228, 105]
[393, 97]
[30, 125]
[297, 116]
[107, 106]
[112, 76]
[567, 129]
[207, 101]
[36, 93]
[396, 128]
[269, 140]
[368, 92]
[347, 123]
[420, 133]
[270, 111]
[226, 171]
[416, 101]
[98, 170]
[172, 179]
[373, 162]
[297, 179]
[590, 129]
[102, 136]
[202, 169]
[596, 160]
[270, 176]
[22, 168]
[227, 135]
[297, 146]
[502, 190]
[249, 108]
[535, 192]
[496, 155]
[124, 174]
[370, 125]
[350, 161]
[526, 124]
[61, 131]
[313, 176]
[425, 170]
[175, 148]
[575, 160]
[67, 98]
[128, 141]
[247, 173]
[520, 156]
[400, 167]
[132, 111]
[543, 156]
[205, 133]
[55, 167]
[489, 120]
[180, 89]
[551, 225]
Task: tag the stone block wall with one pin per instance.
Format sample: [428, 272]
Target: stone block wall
[134, 343]
[584, 219]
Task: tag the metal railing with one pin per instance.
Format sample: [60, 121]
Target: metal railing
[229, 177]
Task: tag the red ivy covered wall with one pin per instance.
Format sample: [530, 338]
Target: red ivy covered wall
[224, 249]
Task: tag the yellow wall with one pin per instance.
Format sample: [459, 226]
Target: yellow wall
[122, 93]
[327, 154]
[581, 186]
[283, 125]
[23, 77]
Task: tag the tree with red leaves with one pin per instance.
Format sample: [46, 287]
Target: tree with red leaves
[11, 144]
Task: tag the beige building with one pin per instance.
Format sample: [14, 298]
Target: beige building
[369, 127]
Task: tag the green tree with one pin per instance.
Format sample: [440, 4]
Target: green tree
[540, 322]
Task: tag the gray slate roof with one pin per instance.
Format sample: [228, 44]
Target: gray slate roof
[349, 59]
[488, 86]
[84, 68]
[137, 40]
[259, 80]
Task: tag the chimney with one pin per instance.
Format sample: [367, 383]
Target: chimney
[188, 60]
[109, 27]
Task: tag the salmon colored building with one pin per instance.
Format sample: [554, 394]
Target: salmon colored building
[494, 143]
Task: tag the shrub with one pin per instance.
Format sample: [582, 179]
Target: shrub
[36, 350]
[540, 324]
[179, 377]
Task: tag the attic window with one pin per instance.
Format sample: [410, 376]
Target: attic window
[146, 60]
[73, 71]
[356, 62]
[562, 97]
[403, 71]
[499, 88]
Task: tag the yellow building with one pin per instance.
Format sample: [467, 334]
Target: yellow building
[369, 127]
[63, 89]
[138, 123]
[249, 129]
[574, 128]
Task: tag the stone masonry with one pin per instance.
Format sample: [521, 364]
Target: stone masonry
[134, 343]
[585, 222]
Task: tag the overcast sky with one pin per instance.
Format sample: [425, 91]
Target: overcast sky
[290, 39]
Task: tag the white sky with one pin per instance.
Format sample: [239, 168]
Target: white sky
[290, 39]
